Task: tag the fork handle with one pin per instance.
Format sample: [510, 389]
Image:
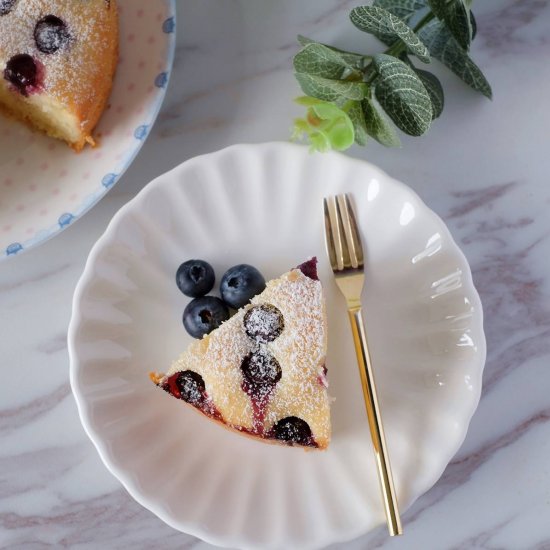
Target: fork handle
[375, 421]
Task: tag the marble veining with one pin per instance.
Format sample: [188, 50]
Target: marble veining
[483, 168]
[503, 28]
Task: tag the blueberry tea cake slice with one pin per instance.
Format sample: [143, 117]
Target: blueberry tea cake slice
[263, 371]
[57, 62]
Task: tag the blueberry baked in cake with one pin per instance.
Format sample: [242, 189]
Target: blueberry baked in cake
[57, 62]
[263, 371]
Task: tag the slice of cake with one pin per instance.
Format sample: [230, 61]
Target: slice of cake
[57, 62]
[263, 371]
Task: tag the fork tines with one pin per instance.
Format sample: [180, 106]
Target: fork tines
[342, 237]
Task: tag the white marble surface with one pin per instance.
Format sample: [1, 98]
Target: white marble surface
[483, 167]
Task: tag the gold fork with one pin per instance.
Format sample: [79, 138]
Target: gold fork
[345, 253]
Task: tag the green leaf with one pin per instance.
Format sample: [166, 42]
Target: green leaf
[357, 117]
[456, 15]
[434, 89]
[473, 23]
[432, 85]
[378, 126]
[353, 59]
[331, 90]
[444, 47]
[325, 125]
[459, 23]
[316, 59]
[403, 9]
[304, 40]
[307, 101]
[439, 8]
[384, 24]
[402, 95]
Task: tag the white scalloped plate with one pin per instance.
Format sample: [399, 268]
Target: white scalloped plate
[261, 204]
[44, 185]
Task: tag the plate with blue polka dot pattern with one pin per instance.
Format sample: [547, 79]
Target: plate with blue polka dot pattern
[44, 185]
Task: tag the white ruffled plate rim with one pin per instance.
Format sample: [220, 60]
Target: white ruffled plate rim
[126, 478]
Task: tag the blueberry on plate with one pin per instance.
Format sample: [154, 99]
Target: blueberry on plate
[240, 284]
[203, 315]
[195, 278]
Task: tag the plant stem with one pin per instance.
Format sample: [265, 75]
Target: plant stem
[424, 21]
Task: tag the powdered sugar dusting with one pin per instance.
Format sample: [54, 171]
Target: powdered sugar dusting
[262, 369]
[303, 344]
[263, 323]
[300, 351]
[323, 380]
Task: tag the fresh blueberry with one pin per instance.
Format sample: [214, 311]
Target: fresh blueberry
[195, 278]
[203, 315]
[293, 430]
[240, 284]
[51, 34]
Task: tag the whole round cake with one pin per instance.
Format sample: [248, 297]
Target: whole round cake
[57, 62]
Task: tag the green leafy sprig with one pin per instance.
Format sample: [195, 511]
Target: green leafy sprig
[350, 96]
